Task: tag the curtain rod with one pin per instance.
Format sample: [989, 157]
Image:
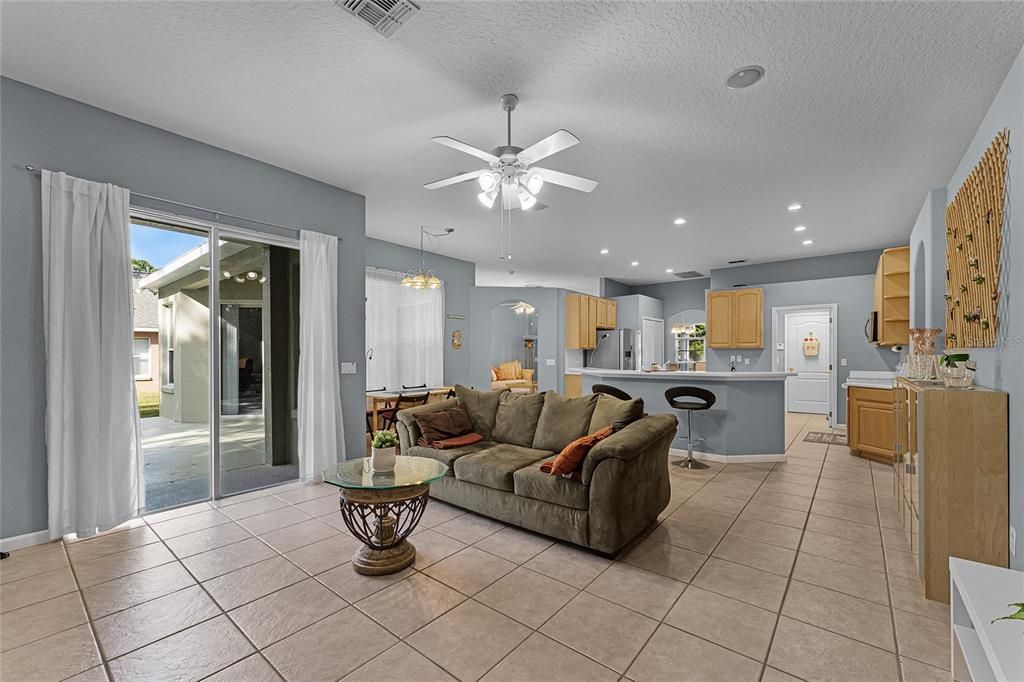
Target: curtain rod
[36, 171]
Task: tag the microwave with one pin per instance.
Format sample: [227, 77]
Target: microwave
[871, 327]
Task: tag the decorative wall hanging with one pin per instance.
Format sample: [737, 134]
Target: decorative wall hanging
[974, 235]
[811, 345]
[457, 339]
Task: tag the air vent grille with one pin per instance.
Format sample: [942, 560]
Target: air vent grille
[384, 16]
[689, 274]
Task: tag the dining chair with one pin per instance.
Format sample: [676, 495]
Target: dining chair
[406, 388]
[369, 413]
[389, 415]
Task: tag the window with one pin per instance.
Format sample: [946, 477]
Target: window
[404, 332]
[168, 332]
[140, 358]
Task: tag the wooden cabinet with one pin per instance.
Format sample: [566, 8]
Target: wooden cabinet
[584, 315]
[573, 385]
[951, 465]
[892, 296]
[735, 318]
[870, 423]
[605, 313]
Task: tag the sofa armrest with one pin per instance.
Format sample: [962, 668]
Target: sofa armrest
[408, 429]
[629, 442]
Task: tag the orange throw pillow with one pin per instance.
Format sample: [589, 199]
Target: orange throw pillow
[572, 455]
[498, 374]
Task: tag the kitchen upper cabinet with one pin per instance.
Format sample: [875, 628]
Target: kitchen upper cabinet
[605, 313]
[735, 318]
[584, 315]
[892, 296]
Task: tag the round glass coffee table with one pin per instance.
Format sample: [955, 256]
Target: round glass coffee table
[382, 508]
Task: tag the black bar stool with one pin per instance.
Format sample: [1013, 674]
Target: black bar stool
[612, 391]
[691, 399]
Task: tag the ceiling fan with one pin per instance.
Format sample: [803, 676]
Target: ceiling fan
[510, 173]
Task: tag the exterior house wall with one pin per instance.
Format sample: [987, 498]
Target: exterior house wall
[152, 384]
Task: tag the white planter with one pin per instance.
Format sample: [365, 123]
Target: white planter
[382, 459]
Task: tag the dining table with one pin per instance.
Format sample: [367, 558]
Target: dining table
[377, 400]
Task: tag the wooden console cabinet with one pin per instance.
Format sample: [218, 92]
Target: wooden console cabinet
[735, 318]
[870, 425]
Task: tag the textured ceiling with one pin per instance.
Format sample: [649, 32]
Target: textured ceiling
[865, 106]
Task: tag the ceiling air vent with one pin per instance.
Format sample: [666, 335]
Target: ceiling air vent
[689, 274]
[737, 261]
[384, 16]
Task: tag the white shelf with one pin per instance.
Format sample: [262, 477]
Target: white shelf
[980, 593]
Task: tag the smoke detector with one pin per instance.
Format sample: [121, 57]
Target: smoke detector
[384, 16]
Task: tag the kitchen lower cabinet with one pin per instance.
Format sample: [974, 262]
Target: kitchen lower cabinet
[870, 424]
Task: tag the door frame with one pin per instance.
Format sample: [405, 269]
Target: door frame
[643, 360]
[778, 336]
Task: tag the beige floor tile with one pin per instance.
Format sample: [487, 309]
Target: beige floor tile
[922, 639]
[515, 545]
[915, 671]
[895, 538]
[325, 554]
[111, 566]
[760, 555]
[134, 589]
[320, 506]
[773, 675]
[298, 535]
[842, 577]
[306, 492]
[410, 604]
[252, 669]
[84, 550]
[97, 674]
[568, 564]
[53, 658]
[863, 489]
[237, 499]
[470, 570]
[733, 624]
[649, 593]
[759, 511]
[542, 658]
[841, 549]
[259, 505]
[437, 513]
[706, 518]
[189, 524]
[352, 586]
[469, 528]
[41, 620]
[908, 595]
[273, 520]
[527, 596]
[725, 489]
[606, 632]
[140, 625]
[858, 619]
[231, 590]
[742, 582]
[764, 531]
[853, 498]
[672, 654]
[815, 654]
[688, 536]
[188, 655]
[668, 560]
[177, 513]
[400, 662]
[469, 640]
[37, 588]
[845, 511]
[726, 505]
[285, 612]
[431, 547]
[205, 540]
[841, 528]
[226, 559]
[21, 565]
[903, 564]
[808, 481]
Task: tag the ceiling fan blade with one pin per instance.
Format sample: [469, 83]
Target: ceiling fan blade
[566, 180]
[455, 179]
[465, 148]
[552, 144]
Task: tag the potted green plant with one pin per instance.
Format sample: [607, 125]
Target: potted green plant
[382, 455]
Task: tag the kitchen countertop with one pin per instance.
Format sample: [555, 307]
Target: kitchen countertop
[870, 379]
[738, 375]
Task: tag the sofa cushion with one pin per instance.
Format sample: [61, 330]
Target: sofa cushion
[563, 420]
[448, 456]
[442, 424]
[516, 420]
[482, 406]
[494, 467]
[567, 491]
[611, 411]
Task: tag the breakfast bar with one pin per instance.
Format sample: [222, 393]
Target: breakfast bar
[748, 417]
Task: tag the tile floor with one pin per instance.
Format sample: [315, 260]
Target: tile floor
[772, 572]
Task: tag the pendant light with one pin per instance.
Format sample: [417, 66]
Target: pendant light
[423, 278]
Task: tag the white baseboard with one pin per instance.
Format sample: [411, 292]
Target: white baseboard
[26, 540]
[729, 459]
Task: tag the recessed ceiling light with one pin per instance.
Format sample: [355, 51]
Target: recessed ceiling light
[808, 242]
[604, 252]
[679, 221]
[745, 77]
[669, 270]
[794, 207]
[635, 263]
[799, 228]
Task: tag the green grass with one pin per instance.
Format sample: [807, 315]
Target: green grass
[149, 405]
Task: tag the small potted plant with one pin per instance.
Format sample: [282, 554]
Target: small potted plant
[382, 456]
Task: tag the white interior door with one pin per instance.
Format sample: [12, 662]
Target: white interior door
[808, 344]
[652, 340]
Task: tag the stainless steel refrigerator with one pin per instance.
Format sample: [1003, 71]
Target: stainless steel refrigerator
[616, 349]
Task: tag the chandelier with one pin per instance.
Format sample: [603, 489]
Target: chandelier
[423, 278]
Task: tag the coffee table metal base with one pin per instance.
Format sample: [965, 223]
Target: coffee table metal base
[382, 520]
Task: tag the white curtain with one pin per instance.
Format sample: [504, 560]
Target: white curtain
[94, 453]
[405, 330]
[321, 432]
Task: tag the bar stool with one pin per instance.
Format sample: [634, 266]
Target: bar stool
[612, 391]
[691, 399]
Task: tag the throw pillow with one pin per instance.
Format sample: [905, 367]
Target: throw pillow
[563, 420]
[494, 374]
[482, 406]
[452, 443]
[614, 412]
[572, 456]
[441, 424]
[508, 369]
[519, 370]
[527, 375]
[516, 420]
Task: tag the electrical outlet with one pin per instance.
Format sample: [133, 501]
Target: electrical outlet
[1013, 541]
[732, 358]
[746, 361]
[842, 362]
[348, 368]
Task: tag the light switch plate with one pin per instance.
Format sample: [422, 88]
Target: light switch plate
[842, 362]
[746, 361]
[732, 358]
[348, 368]
[550, 362]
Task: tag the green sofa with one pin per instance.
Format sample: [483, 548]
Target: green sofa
[618, 491]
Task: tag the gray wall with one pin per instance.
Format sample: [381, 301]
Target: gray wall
[53, 132]
[815, 267]
[610, 288]
[459, 277]
[550, 314]
[928, 263]
[1002, 367]
[631, 310]
[677, 297]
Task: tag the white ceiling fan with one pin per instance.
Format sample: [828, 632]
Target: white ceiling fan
[510, 172]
